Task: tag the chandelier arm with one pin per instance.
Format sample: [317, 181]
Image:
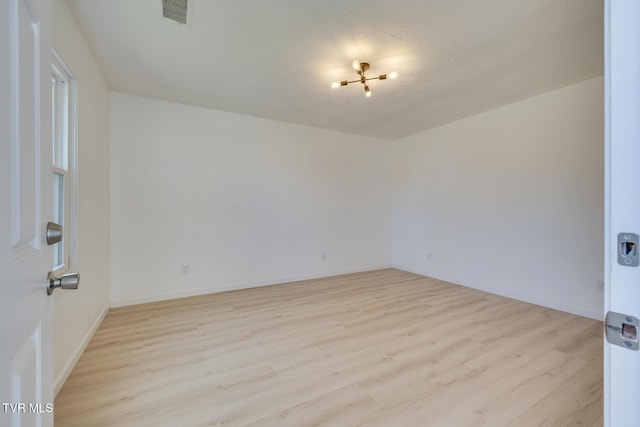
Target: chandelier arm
[361, 68]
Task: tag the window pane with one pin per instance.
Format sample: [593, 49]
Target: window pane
[60, 119]
[53, 117]
[58, 216]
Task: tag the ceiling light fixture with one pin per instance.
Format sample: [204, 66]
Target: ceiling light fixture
[361, 68]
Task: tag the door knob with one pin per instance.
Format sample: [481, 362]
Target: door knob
[66, 281]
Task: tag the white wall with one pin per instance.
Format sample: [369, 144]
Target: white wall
[244, 201]
[77, 313]
[509, 201]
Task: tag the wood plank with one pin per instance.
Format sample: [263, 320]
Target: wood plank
[381, 348]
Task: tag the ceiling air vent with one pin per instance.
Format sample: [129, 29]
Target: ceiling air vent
[177, 10]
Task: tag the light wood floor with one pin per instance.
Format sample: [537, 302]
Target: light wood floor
[383, 348]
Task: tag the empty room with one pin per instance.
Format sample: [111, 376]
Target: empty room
[337, 213]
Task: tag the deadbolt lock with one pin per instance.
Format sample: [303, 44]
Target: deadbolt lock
[54, 233]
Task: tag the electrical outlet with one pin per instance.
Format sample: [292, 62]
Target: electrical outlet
[600, 286]
[323, 256]
[186, 269]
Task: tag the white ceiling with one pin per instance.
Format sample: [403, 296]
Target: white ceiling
[276, 59]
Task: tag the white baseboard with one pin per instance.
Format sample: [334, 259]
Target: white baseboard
[64, 374]
[513, 295]
[236, 286]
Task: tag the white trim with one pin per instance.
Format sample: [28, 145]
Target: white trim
[606, 369]
[72, 169]
[63, 67]
[61, 378]
[236, 286]
[513, 295]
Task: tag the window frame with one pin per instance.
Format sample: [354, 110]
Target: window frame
[65, 158]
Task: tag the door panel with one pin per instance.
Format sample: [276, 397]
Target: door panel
[25, 142]
[25, 380]
[26, 384]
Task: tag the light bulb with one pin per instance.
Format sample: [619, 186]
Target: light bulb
[356, 65]
[335, 85]
[367, 91]
[393, 75]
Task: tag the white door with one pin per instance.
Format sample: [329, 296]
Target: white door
[26, 391]
[622, 209]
